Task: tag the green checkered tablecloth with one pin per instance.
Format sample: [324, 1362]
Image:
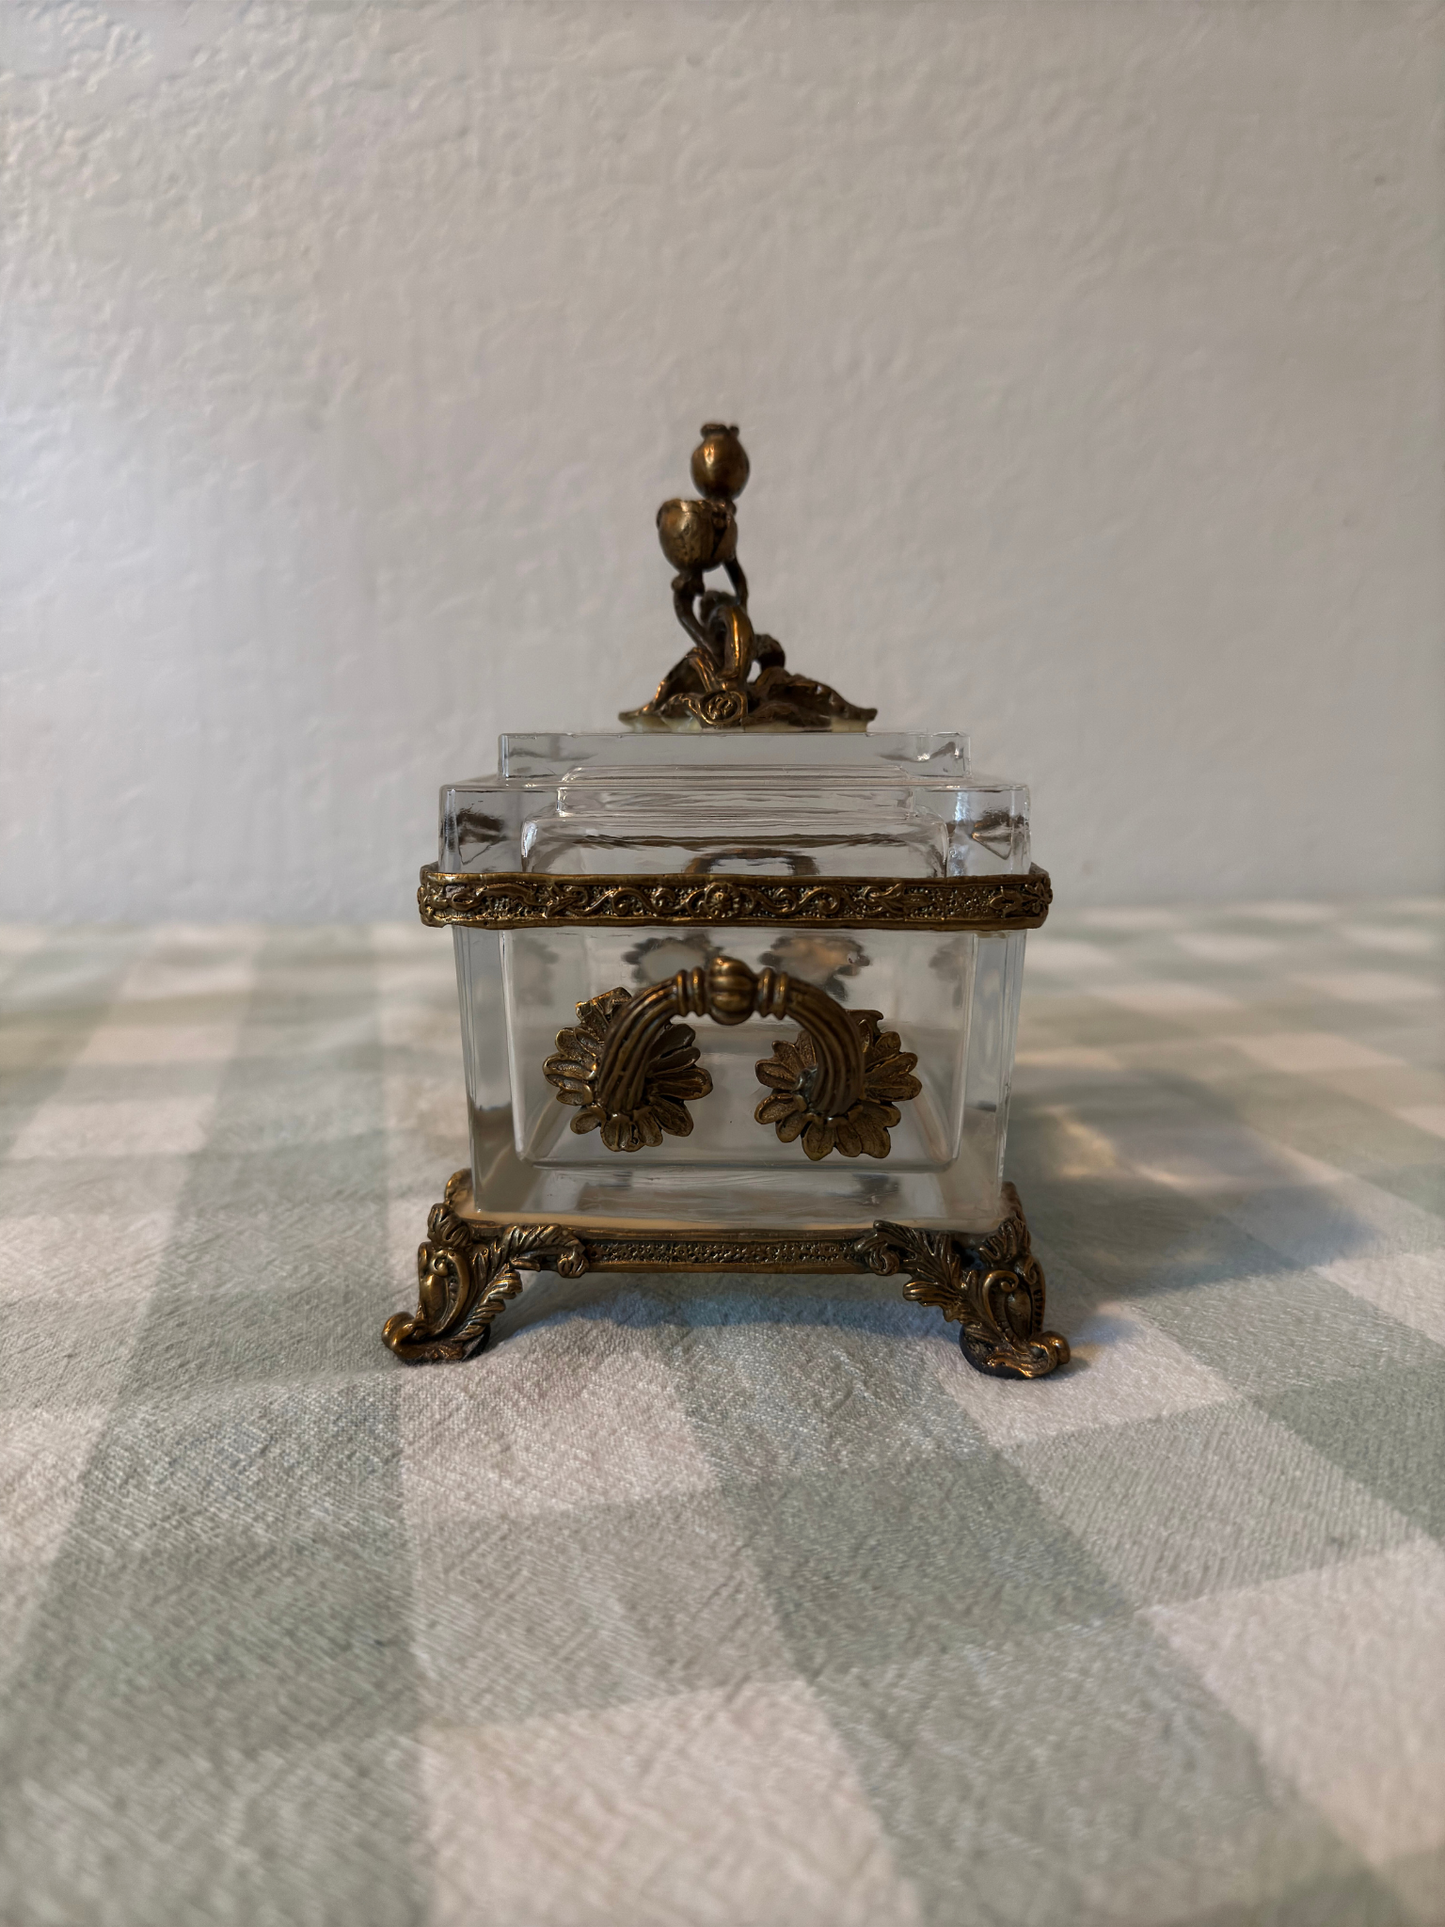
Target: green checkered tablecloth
[739, 1602]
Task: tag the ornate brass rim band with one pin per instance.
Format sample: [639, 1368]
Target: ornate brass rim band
[514, 900]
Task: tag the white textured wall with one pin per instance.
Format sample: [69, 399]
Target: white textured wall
[1089, 356]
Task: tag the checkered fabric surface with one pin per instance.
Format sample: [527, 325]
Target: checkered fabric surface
[739, 1602]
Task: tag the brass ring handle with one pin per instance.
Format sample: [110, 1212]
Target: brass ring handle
[629, 1066]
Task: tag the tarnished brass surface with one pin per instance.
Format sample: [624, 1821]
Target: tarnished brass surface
[630, 1068]
[648, 1095]
[992, 1289]
[796, 1110]
[517, 900]
[990, 1285]
[464, 1281]
[714, 686]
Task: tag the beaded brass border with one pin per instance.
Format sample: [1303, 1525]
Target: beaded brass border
[990, 1286]
[514, 900]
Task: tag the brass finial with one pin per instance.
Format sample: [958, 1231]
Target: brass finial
[714, 687]
[720, 464]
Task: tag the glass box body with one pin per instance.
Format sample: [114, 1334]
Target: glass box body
[748, 804]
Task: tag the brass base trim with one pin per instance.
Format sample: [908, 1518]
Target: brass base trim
[990, 1286]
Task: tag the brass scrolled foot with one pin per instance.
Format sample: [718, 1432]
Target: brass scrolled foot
[991, 1288]
[466, 1275]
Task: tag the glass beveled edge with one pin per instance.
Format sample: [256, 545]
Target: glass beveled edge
[534, 756]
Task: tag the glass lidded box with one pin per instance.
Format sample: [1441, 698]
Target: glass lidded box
[739, 991]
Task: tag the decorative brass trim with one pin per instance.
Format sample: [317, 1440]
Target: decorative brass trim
[797, 1109]
[629, 1067]
[992, 1289]
[634, 1106]
[711, 687]
[992, 1286]
[516, 900]
[464, 1279]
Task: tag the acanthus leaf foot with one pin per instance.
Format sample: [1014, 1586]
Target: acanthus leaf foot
[991, 1288]
[466, 1274]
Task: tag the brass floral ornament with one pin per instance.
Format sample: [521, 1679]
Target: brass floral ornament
[791, 1074]
[715, 685]
[654, 1100]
